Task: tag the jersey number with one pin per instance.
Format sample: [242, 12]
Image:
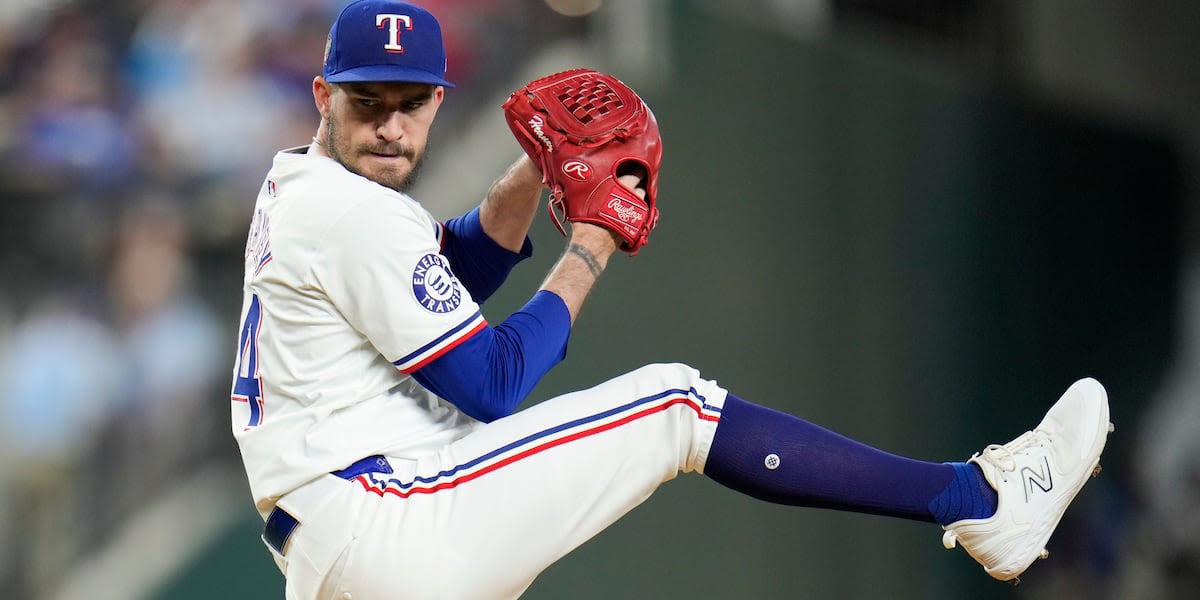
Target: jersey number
[247, 387]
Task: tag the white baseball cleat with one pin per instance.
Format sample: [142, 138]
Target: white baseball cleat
[1035, 476]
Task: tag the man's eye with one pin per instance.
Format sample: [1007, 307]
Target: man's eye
[367, 102]
[411, 106]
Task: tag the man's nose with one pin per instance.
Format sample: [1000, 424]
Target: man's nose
[391, 129]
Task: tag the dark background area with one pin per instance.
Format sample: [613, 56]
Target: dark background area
[915, 225]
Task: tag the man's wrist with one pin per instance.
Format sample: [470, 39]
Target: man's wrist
[600, 241]
[526, 172]
[592, 245]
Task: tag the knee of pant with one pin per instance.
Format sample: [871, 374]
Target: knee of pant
[670, 376]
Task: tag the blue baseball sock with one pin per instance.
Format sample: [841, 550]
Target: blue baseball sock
[969, 496]
[780, 458]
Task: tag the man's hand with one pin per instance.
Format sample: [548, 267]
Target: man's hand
[585, 129]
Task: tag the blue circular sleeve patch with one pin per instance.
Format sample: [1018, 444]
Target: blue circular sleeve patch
[434, 284]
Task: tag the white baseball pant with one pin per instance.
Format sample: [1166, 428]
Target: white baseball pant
[482, 516]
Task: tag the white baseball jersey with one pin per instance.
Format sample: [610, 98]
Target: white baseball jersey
[344, 291]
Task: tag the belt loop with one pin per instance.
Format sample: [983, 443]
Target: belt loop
[371, 464]
[279, 529]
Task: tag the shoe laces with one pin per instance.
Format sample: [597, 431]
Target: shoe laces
[1004, 457]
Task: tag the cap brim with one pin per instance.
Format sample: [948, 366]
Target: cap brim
[387, 74]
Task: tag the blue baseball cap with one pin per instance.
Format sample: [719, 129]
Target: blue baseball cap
[385, 40]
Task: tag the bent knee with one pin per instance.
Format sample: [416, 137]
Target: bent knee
[670, 376]
[667, 372]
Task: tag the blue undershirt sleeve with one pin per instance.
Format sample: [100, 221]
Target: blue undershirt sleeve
[491, 372]
[477, 260]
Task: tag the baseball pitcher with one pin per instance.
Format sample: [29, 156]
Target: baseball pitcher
[374, 406]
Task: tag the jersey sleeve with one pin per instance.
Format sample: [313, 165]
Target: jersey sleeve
[380, 266]
[481, 264]
[491, 372]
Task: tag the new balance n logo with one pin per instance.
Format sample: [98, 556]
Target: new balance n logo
[1041, 478]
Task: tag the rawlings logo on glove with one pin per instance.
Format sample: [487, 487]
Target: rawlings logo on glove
[584, 129]
[577, 170]
[627, 214]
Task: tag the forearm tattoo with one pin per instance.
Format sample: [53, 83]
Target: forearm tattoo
[588, 259]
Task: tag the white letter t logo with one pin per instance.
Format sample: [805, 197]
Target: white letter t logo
[393, 22]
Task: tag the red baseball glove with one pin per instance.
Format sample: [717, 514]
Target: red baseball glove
[584, 129]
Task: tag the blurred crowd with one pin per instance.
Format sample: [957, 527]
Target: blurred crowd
[133, 138]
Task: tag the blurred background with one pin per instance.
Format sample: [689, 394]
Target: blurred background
[914, 223]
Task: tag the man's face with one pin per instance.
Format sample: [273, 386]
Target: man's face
[378, 130]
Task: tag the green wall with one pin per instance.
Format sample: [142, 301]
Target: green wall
[909, 260]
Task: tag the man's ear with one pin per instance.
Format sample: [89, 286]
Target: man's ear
[322, 95]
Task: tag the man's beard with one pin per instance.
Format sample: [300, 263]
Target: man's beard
[404, 184]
